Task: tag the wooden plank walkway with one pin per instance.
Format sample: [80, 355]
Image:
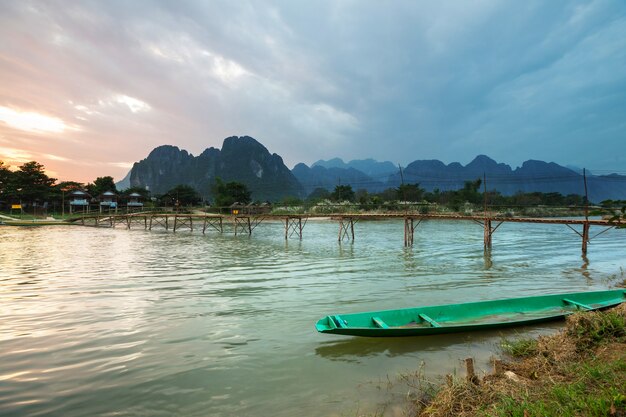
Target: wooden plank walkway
[244, 224]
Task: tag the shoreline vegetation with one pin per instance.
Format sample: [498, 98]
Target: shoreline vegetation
[579, 371]
[28, 191]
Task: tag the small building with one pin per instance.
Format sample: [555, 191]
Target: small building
[135, 200]
[250, 209]
[79, 201]
[108, 201]
[236, 208]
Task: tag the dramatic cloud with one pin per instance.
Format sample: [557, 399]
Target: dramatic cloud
[89, 87]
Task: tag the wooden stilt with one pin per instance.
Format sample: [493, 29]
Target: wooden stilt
[488, 234]
[471, 373]
[215, 223]
[244, 225]
[293, 226]
[409, 230]
[346, 228]
[585, 237]
[175, 221]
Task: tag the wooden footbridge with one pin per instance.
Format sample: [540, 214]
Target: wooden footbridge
[294, 224]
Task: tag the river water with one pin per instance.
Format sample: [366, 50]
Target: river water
[117, 322]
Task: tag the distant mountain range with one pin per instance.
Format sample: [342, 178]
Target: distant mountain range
[241, 159]
[245, 160]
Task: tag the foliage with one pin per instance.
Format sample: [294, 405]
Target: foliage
[30, 183]
[577, 372]
[342, 193]
[619, 219]
[291, 201]
[593, 328]
[319, 194]
[101, 185]
[182, 194]
[594, 391]
[69, 186]
[225, 194]
[519, 348]
[145, 194]
[6, 177]
[410, 192]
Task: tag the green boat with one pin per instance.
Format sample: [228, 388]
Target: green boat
[454, 318]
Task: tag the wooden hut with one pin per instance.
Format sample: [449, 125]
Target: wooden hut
[79, 201]
[108, 201]
[135, 201]
[236, 208]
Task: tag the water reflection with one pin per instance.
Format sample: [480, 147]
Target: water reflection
[353, 349]
[356, 348]
[215, 324]
[487, 259]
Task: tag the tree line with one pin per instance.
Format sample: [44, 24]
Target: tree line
[30, 185]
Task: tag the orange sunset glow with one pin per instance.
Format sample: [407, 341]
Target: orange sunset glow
[89, 88]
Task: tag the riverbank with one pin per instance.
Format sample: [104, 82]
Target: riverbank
[578, 371]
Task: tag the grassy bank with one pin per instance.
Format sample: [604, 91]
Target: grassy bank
[580, 371]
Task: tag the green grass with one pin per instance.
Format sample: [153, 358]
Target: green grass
[593, 388]
[520, 348]
[592, 329]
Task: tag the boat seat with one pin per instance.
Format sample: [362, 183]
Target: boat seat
[577, 304]
[432, 322]
[380, 323]
[341, 323]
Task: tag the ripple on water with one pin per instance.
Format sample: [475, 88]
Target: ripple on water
[110, 321]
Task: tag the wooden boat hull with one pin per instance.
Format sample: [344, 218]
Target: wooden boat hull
[455, 318]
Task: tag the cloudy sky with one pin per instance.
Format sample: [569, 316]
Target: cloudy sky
[89, 87]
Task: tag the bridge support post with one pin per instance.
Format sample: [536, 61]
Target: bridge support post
[409, 230]
[215, 223]
[488, 234]
[243, 223]
[293, 225]
[585, 237]
[346, 228]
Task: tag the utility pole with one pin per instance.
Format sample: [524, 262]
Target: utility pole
[586, 195]
[485, 192]
[586, 225]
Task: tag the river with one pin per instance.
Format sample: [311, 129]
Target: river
[154, 323]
